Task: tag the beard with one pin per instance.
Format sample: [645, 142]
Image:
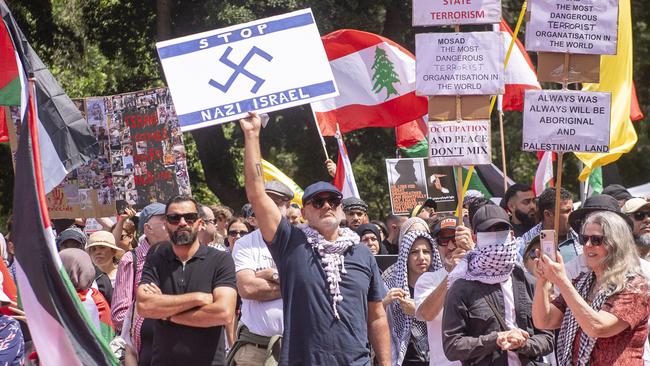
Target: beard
[525, 219]
[643, 241]
[183, 237]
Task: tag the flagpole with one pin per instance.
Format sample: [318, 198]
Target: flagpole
[320, 134]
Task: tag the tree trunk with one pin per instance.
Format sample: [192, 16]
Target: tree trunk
[164, 19]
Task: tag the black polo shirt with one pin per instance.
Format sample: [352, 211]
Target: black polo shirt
[175, 344]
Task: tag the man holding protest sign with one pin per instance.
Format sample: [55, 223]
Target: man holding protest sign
[352, 313]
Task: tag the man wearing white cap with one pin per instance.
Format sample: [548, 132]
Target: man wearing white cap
[638, 209]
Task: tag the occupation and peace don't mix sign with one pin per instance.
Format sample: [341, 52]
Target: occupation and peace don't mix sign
[265, 65]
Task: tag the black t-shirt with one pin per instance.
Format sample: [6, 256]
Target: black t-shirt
[175, 344]
[312, 335]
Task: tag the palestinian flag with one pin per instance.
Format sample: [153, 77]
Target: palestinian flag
[376, 79]
[65, 137]
[60, 327]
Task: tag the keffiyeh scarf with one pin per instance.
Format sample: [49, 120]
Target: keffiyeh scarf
[332, 257]
[404, 325]
[488, 264]
[570, 325]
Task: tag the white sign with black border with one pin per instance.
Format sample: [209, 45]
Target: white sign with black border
[459, 143]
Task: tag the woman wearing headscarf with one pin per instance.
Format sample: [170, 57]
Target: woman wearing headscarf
[603, 315]
[371, 237]
[81, 271]
[417, 255]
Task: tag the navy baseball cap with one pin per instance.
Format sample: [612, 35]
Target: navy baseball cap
[153, 209]
[319, 187]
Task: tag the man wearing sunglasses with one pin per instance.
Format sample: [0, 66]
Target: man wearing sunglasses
[453, 241]
[331, 285]
[638, 209]
[189, 289]
[258, 283]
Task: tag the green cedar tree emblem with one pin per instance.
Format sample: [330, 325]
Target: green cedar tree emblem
[384, 74]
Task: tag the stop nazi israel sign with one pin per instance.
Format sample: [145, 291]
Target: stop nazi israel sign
[266, 65]
[567, 121]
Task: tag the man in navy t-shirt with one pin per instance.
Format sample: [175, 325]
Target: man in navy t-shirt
[331, 286]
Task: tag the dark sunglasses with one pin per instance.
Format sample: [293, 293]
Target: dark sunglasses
[175, 219]
[234, 233]
[641, 215]
[443, 241]
[596, 240]
[319, 202]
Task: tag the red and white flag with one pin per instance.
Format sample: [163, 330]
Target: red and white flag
[376, 79]
[344, 178]
[544, 174]
[520, 72]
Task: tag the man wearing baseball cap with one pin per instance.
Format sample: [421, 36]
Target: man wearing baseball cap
[638, 209]
[151, 226]
[331, 319]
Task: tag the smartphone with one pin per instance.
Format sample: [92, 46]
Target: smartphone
[547, 243]
[121, 206]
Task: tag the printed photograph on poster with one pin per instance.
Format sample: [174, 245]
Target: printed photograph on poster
[452, 12]
[468, 63]
[567, 121]
[441, 186]
[406, 183]
[570, 26]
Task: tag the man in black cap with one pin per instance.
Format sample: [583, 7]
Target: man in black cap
[474, 329]
[331, 286]
[356, 212]
[425, 211]
[619, 192]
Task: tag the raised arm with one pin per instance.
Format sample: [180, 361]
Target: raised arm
[219, 312]
[266, 212]
[252, 287]
[433, 303]
[153, 304]
[545, 314]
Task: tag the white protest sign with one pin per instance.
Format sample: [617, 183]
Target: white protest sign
[451, 12]
[469, 63]
[568, 121]
[459, 143]
[265, 65]
[573, 26]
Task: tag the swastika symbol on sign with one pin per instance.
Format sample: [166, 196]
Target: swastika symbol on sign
[240, 69]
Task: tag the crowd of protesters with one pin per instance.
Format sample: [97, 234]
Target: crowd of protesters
[182, 283]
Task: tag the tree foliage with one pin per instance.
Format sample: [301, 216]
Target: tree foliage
[103, 47]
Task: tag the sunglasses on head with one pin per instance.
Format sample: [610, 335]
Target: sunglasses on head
[595, 240]
[175, 219]
[234, 233]
[319, 202]
[641, 215]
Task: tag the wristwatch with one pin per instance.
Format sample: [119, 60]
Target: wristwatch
[275, 276]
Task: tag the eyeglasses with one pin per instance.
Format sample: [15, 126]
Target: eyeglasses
[319, 202]
[234, 233]
[443, 241]
[641, 215]
[595, 240]
[175, 219]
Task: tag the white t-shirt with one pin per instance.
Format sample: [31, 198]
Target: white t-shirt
[510, 318]
[261, 317]
[425, 285]
[579, 265]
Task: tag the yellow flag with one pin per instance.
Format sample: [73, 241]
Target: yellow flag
[271, 173]
[615, 77]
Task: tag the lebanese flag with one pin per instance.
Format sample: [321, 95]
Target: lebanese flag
[376, 81]
[520, 72]
[544, 175]
[344, 178]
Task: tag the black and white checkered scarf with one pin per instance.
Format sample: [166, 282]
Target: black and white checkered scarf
[404, 325]
[490, 264]
[332, 257]
[570, 325]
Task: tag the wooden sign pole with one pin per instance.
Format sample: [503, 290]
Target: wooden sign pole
[558, 188]
[503, 152]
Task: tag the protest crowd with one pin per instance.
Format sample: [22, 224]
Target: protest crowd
[181, 283]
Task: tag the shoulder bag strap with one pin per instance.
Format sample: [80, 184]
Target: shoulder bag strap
[502, 322]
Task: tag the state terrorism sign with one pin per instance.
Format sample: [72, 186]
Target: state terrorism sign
[451, 12]
[468, 63]
[265, 65]
[573, 26]
[566, 121]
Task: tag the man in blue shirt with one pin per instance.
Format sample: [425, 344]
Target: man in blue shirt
[331, 286]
